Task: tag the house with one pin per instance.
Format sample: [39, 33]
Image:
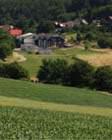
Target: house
[28, 42]
[71, 24]
[46, 40]
[41, 43]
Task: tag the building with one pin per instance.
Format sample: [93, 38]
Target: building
[41, 43]
[46, 40]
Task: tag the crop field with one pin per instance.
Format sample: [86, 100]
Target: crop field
[29, 124]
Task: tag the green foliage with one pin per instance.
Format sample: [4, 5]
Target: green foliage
[5, 50]
[103, 78]
[57, 72]
[87, 45]
[105, 42]
[18, 12]
[45, 27]
[13, 70]
[80, 74]
[7, 44]
[52, 71]
[79, 37]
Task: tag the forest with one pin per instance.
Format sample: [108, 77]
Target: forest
[20, 12]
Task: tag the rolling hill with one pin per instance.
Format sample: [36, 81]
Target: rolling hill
[36, 111]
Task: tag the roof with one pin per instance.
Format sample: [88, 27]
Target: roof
[15, 32]
[49, 36]
[5, 27]
[26, 35]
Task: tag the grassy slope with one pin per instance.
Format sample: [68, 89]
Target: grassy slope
[59, 121]
[26, 103]
[52, 93]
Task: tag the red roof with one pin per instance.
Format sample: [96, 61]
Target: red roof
[15, 32]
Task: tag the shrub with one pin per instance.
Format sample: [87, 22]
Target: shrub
[80, 74]
[15, 71]
[5, 50]
[3, 70]
[105, 42]
[79, 37]
[103, 78]
[87, 45]
[7, 44]
[52, 71]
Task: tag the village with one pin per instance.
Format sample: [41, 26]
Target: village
[43, 42]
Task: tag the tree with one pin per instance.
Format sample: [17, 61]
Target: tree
[15, 71]
[52, 71]
[103, 78]
[105, 42]
[80, 74]
[5, 51]
[7, 44]
[45, 27]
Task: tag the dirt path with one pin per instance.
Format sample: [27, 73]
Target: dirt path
[16, 102]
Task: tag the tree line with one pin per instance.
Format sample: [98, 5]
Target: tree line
[27, 13]
[78, 74]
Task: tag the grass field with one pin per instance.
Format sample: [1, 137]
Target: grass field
[36, 111]
[101, 59]
[53, 93]
[29, 124]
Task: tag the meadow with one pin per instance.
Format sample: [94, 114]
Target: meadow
[54, 93]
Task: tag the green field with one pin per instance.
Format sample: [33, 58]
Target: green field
[54, 93]
[29, 124]
[36, 111]
[34, 61]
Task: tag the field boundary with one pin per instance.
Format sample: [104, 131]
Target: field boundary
[26, 103]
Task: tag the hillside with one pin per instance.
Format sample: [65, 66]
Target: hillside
[37, 111]
[54, 93]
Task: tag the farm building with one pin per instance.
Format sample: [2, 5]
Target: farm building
[41, 43]
[45, 41]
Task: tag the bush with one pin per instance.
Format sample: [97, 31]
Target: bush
[103, 78]
[52, 71]
[13, 71]
[80, 74]
[105, 42]
[3, 70]
[5, 50]
[7, 44]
